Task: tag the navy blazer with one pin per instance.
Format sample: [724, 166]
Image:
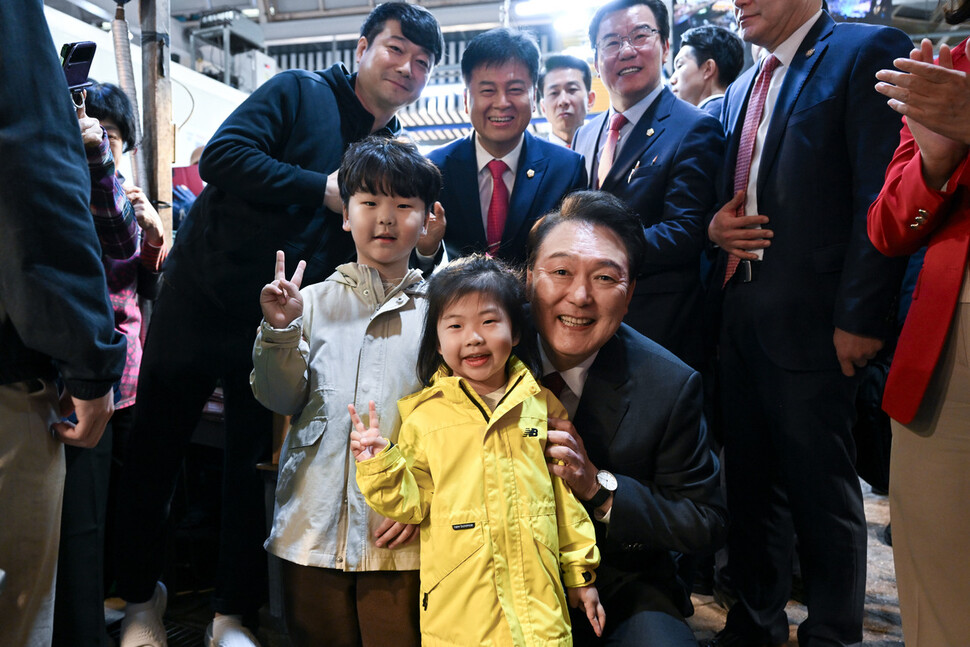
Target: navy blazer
[640, 417]
[666, 172]
[546, 173]
[829, 141]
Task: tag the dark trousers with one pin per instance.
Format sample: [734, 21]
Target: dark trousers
[191, 346]
[324, 606]
[790, 468]
[637, 614]
[80, 589]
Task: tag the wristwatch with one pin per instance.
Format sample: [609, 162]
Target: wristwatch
[607, 484]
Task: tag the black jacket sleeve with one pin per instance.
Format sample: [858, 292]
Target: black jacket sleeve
[53, 296]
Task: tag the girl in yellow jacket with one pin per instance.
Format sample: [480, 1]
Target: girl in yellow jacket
[499, 535]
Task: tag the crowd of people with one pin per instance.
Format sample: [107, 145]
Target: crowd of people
[533, 383]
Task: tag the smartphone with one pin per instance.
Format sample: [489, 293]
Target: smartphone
[76, 62]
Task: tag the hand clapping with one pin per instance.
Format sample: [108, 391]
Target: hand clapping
[281, 300]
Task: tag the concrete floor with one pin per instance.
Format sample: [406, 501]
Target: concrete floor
[882, 625]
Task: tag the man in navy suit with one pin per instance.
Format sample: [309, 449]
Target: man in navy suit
[667, 155]
[709, 60]
[638, 455]
[500, 68]
[808, 300]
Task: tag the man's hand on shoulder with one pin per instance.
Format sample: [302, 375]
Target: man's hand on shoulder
[569, 459]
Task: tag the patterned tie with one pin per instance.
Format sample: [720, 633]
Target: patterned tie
[617, 121]
[749, 133]
[498, 207]
[554, 382]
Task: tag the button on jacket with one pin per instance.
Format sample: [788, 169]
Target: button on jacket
[497, 531]
[354, 344]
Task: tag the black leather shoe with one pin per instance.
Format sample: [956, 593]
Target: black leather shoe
[727, 638]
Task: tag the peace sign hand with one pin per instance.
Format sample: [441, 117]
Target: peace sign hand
[281, 300]
[366, 442]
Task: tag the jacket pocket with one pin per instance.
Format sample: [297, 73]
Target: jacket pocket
[450, 547]
[309, 434]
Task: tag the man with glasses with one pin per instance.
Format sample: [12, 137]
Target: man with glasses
[659, 155]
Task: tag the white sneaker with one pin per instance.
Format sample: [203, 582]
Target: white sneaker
[228, 631]
[142, 625]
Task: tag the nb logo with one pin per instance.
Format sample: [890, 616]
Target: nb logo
[530, 432]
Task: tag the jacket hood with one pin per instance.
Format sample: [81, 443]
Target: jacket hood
[343, 83]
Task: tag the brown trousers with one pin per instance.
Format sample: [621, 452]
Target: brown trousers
[324, 606]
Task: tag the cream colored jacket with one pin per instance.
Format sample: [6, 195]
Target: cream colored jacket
[353, 344]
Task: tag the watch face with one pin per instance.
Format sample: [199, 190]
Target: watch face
[607, 480]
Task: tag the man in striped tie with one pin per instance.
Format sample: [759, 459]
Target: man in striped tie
[807, 300]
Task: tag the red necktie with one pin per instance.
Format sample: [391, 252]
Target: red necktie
[617, 121]
[749, 133]
[554, 382]
[498, 206]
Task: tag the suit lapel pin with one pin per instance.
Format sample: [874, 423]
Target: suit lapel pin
[649, 132]
[530, 173]
[809, 52]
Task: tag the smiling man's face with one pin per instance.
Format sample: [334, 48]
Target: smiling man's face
[579, 287]
[499, 99]
[630, 74]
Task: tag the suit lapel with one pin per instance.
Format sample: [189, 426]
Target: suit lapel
[605, 401]
[461, 166]
[528, 178]
[810, 52]
[590, 143]
[646, 132]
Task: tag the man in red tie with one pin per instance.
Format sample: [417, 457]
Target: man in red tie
[807, 300]
[516, 176]
[660, 156]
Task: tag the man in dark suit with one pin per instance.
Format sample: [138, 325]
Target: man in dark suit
[638, 455]
[709, 60]
[667, 154]
[807, 301]
[500, 68]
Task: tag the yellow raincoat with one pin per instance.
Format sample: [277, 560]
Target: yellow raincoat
[499, 535]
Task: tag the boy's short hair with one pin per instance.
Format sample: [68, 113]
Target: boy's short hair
[384, 166]
[499, 46]
[560, 61]
[108, 101]
[720, 45]
[417, 24]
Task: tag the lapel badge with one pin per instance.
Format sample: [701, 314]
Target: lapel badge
[649, 132]
[809, 52]
[530, 173]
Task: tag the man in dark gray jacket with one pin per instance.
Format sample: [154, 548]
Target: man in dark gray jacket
[55, 318]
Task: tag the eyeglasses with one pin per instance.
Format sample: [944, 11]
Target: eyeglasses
[640, 37]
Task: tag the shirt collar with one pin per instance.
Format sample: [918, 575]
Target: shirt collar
[634, 112]
[483, 157]
[575, 377]
[785, 53]
[707, 100]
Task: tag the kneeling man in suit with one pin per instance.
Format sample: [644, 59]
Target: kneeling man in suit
[637, 450]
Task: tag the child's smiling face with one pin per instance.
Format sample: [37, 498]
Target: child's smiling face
[475, 339]
[385, 229]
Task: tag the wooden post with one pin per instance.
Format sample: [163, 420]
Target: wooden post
[158, 142]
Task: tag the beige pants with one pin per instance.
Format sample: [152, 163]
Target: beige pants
[929, 495]
[31, 488]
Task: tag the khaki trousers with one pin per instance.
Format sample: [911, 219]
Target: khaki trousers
[31, 487]
[929, 495]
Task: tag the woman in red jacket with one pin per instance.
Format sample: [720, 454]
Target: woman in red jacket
[926, 201]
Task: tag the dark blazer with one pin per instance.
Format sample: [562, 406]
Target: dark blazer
[546, 173]
[640, 418]
[830, 139]
[666, 172]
